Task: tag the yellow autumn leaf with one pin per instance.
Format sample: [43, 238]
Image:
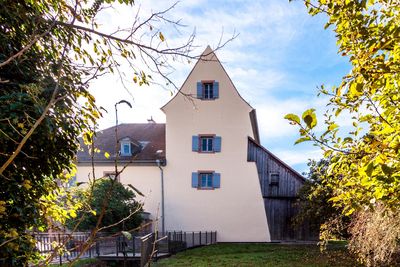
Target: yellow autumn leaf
[162, 38]
[27, 184]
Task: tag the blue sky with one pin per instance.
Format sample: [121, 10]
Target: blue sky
[278, 59]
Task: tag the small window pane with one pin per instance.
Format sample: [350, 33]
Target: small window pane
[210, 144]
[204, 144]
[209, 180]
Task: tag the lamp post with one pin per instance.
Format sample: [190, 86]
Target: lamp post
[116, 133]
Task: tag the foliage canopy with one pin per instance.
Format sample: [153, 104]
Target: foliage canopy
[364, 168]
[121, 207]
[50, 50]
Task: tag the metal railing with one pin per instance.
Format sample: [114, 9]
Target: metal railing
[63, 246]
[118, 246]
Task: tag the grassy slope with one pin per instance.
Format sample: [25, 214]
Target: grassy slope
[261, 255]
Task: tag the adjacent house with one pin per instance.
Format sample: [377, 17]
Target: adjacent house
[204, 169]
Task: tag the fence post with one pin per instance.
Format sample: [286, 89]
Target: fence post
[200, 237]
[59, 242]
[97, 248]
[91, 247]
[116, 245]
[133, 245]
[192, 239]
[206, 237]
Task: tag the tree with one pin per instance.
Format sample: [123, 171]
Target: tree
[314, 206]
[49, 53]
[364, 170]
[122, 207]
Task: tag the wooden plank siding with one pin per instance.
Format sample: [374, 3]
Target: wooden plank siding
[279, 198]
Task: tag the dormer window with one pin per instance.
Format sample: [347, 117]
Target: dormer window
[207, 90]
[126, 148]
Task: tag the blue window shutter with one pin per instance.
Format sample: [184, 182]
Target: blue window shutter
[195, 179]
[217, 144]
[216, 89]
[199, 90]
[217, 180]
[195, 143]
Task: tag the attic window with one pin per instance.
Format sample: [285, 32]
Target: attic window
[207, 90]
[274, 179]
[126, 149]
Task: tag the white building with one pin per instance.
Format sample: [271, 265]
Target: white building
[216, 174]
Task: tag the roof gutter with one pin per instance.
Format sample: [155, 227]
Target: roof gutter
[146, 162]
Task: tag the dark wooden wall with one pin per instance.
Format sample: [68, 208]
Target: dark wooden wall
[279, 197]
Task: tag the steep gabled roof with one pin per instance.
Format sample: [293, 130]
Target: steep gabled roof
[298, 175]
[207, 55]
[151, 136]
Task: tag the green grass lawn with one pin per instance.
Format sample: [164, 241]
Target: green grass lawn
[261, 255]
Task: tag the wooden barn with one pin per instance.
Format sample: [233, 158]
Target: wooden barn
[280, 185]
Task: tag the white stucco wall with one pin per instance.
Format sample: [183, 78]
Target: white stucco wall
[236, 209]
[145, 178]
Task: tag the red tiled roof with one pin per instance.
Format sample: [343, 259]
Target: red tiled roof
[150, 135]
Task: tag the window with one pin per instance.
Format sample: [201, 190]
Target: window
[207, 90]
[126, 148]
[206, 143]
[110, 175]
[274, 179]
[206, 180]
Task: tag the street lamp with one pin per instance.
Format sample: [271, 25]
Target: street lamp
[116, 132]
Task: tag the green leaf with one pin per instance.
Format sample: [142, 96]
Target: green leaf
[370, 168]
[386, 169]
[127, 234]
[293, 118]
[333, 126]
[310, 118]
[301, 140]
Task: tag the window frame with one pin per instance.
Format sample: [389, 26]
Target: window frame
[205, 172]
[108, 174]
[123, 143]
[271, 182]
[206, 136]
[211, 89]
